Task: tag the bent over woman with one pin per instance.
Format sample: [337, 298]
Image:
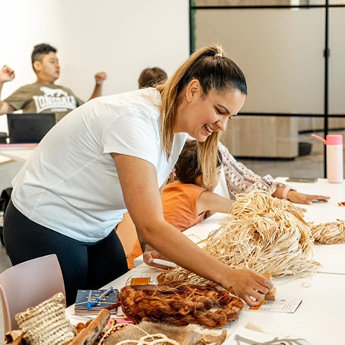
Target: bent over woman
[113, 154]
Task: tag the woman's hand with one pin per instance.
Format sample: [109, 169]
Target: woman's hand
[300, 198]
[150, 254]
[144, 204]
[248, 285]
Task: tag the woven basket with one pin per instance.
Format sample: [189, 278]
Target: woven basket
[46, 323]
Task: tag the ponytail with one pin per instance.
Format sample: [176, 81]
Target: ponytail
[214, 71]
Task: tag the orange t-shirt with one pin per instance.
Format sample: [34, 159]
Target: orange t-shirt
[179, 207]
[179, 204]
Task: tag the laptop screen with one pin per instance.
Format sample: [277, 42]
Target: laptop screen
[29, 127]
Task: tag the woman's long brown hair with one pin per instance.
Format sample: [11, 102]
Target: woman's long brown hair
[214, 71]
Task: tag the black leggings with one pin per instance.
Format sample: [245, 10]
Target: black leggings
[83, 265]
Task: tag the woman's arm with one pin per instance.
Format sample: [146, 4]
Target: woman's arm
[299, 198]
[141, 194]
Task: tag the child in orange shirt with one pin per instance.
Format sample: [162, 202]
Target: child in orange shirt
[186, 201]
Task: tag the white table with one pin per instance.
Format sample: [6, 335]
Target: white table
[4, 159]
[332, 257]
[328, 255]
[321, 316]
[17, 153]
[12, 158]
[321, 212]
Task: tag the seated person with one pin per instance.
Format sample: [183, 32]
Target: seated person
[44, 96]
[186, 201]
[240, 179]
[150, 77]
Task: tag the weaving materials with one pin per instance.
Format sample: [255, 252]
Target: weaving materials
[329, 233]
[264, 234]
[186, 335]
[46, 323]
[153, 339]
[180, 304]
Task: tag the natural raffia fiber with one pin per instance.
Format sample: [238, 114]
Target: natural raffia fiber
[329, 233]
[185, 335]
[180, 305]
[46, 323]
[264, 234]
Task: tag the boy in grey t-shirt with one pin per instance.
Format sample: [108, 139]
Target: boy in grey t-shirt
[44, 96]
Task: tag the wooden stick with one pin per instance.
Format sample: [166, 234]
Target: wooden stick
[89, 335]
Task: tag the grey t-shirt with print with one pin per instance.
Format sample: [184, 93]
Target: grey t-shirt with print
[44, 98]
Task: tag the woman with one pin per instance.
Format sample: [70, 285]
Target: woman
[239, 178]
[113, 154]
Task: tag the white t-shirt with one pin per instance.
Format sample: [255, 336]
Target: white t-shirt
[70, 183]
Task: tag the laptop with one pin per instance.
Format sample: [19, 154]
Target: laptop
[29, 127]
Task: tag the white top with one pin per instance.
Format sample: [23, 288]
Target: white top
[70, 184]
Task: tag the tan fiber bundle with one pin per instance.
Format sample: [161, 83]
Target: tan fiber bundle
[186, 335]
[46, 323]
[264, 234]
[329, 233]
[180, 304]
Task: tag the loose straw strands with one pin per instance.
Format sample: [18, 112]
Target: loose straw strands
[329, 233]
[264, 234]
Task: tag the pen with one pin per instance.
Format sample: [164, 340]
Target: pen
[89, 300]
[94, 303]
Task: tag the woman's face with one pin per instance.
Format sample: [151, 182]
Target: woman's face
[200, 115]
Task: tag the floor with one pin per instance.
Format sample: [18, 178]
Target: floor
[303, 166]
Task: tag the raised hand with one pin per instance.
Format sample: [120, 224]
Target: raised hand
[6, 74]
[100, 77]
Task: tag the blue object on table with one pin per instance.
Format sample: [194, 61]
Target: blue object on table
[93, 303]
[89, 300]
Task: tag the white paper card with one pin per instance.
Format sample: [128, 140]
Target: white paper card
[279, 306]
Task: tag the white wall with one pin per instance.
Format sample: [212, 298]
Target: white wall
[116, 36]
[121, 37]
[281, 54]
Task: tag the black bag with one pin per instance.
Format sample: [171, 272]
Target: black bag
[4, 200]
